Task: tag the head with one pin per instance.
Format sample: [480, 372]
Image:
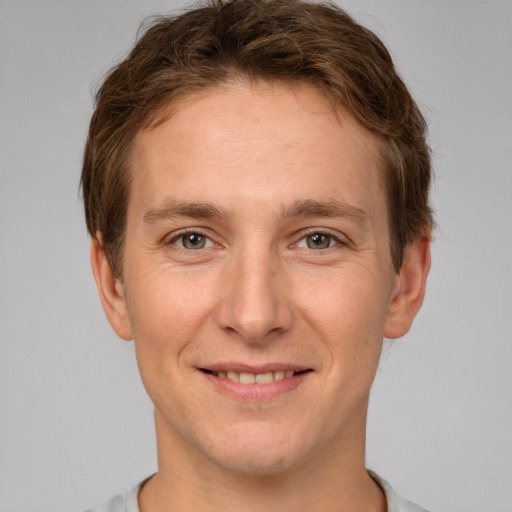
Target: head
[256, 183]
[280, 41]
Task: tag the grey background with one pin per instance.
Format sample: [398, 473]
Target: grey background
[75, 425]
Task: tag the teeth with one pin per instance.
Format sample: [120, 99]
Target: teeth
[234, 376]
[247, 378]
[264, 378]
[251, 378]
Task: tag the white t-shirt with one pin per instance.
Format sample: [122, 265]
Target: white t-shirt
[128, 502]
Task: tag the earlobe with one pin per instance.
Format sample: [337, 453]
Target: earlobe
[409, 289]
[111, 291]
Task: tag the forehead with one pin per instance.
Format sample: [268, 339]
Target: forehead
[254, 143]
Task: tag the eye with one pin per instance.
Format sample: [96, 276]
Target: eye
[318, 240]
[192, 240]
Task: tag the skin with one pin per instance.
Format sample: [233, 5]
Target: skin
[250, 168]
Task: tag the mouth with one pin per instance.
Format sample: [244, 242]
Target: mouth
[255, 378]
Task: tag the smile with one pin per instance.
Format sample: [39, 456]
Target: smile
[254, 378]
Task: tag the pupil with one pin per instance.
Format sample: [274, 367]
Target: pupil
[194, 241]
[318, 241]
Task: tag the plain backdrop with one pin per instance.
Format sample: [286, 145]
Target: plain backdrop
[75, 424]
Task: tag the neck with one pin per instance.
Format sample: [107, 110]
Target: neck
[333, 481]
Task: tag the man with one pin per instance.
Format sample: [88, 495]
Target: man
[256, 187]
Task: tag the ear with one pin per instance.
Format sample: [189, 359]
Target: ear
[408, 289]
[111, 291]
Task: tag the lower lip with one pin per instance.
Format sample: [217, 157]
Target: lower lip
[256, 392]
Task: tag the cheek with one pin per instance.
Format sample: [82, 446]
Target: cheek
[348, 311]
[166, 313]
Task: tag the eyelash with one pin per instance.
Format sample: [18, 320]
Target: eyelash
[192, 231]
[333, 238]
[183, 234]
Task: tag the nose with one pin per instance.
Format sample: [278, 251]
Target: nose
[255, 303]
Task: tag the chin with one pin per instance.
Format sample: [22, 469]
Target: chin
[255, 464]
[257, 453]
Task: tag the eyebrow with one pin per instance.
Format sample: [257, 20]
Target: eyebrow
[330, 208]
[171, 208]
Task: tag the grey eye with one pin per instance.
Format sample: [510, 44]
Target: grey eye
[193, 241]
[318, 241]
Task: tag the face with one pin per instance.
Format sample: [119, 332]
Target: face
[258, 282]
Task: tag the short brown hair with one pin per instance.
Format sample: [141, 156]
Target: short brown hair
[274, 40]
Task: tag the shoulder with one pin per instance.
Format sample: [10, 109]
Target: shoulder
[395, 504]
[128, 502]
[121, 503]
[116, 504]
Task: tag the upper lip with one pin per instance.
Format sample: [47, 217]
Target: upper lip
[252, 368]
